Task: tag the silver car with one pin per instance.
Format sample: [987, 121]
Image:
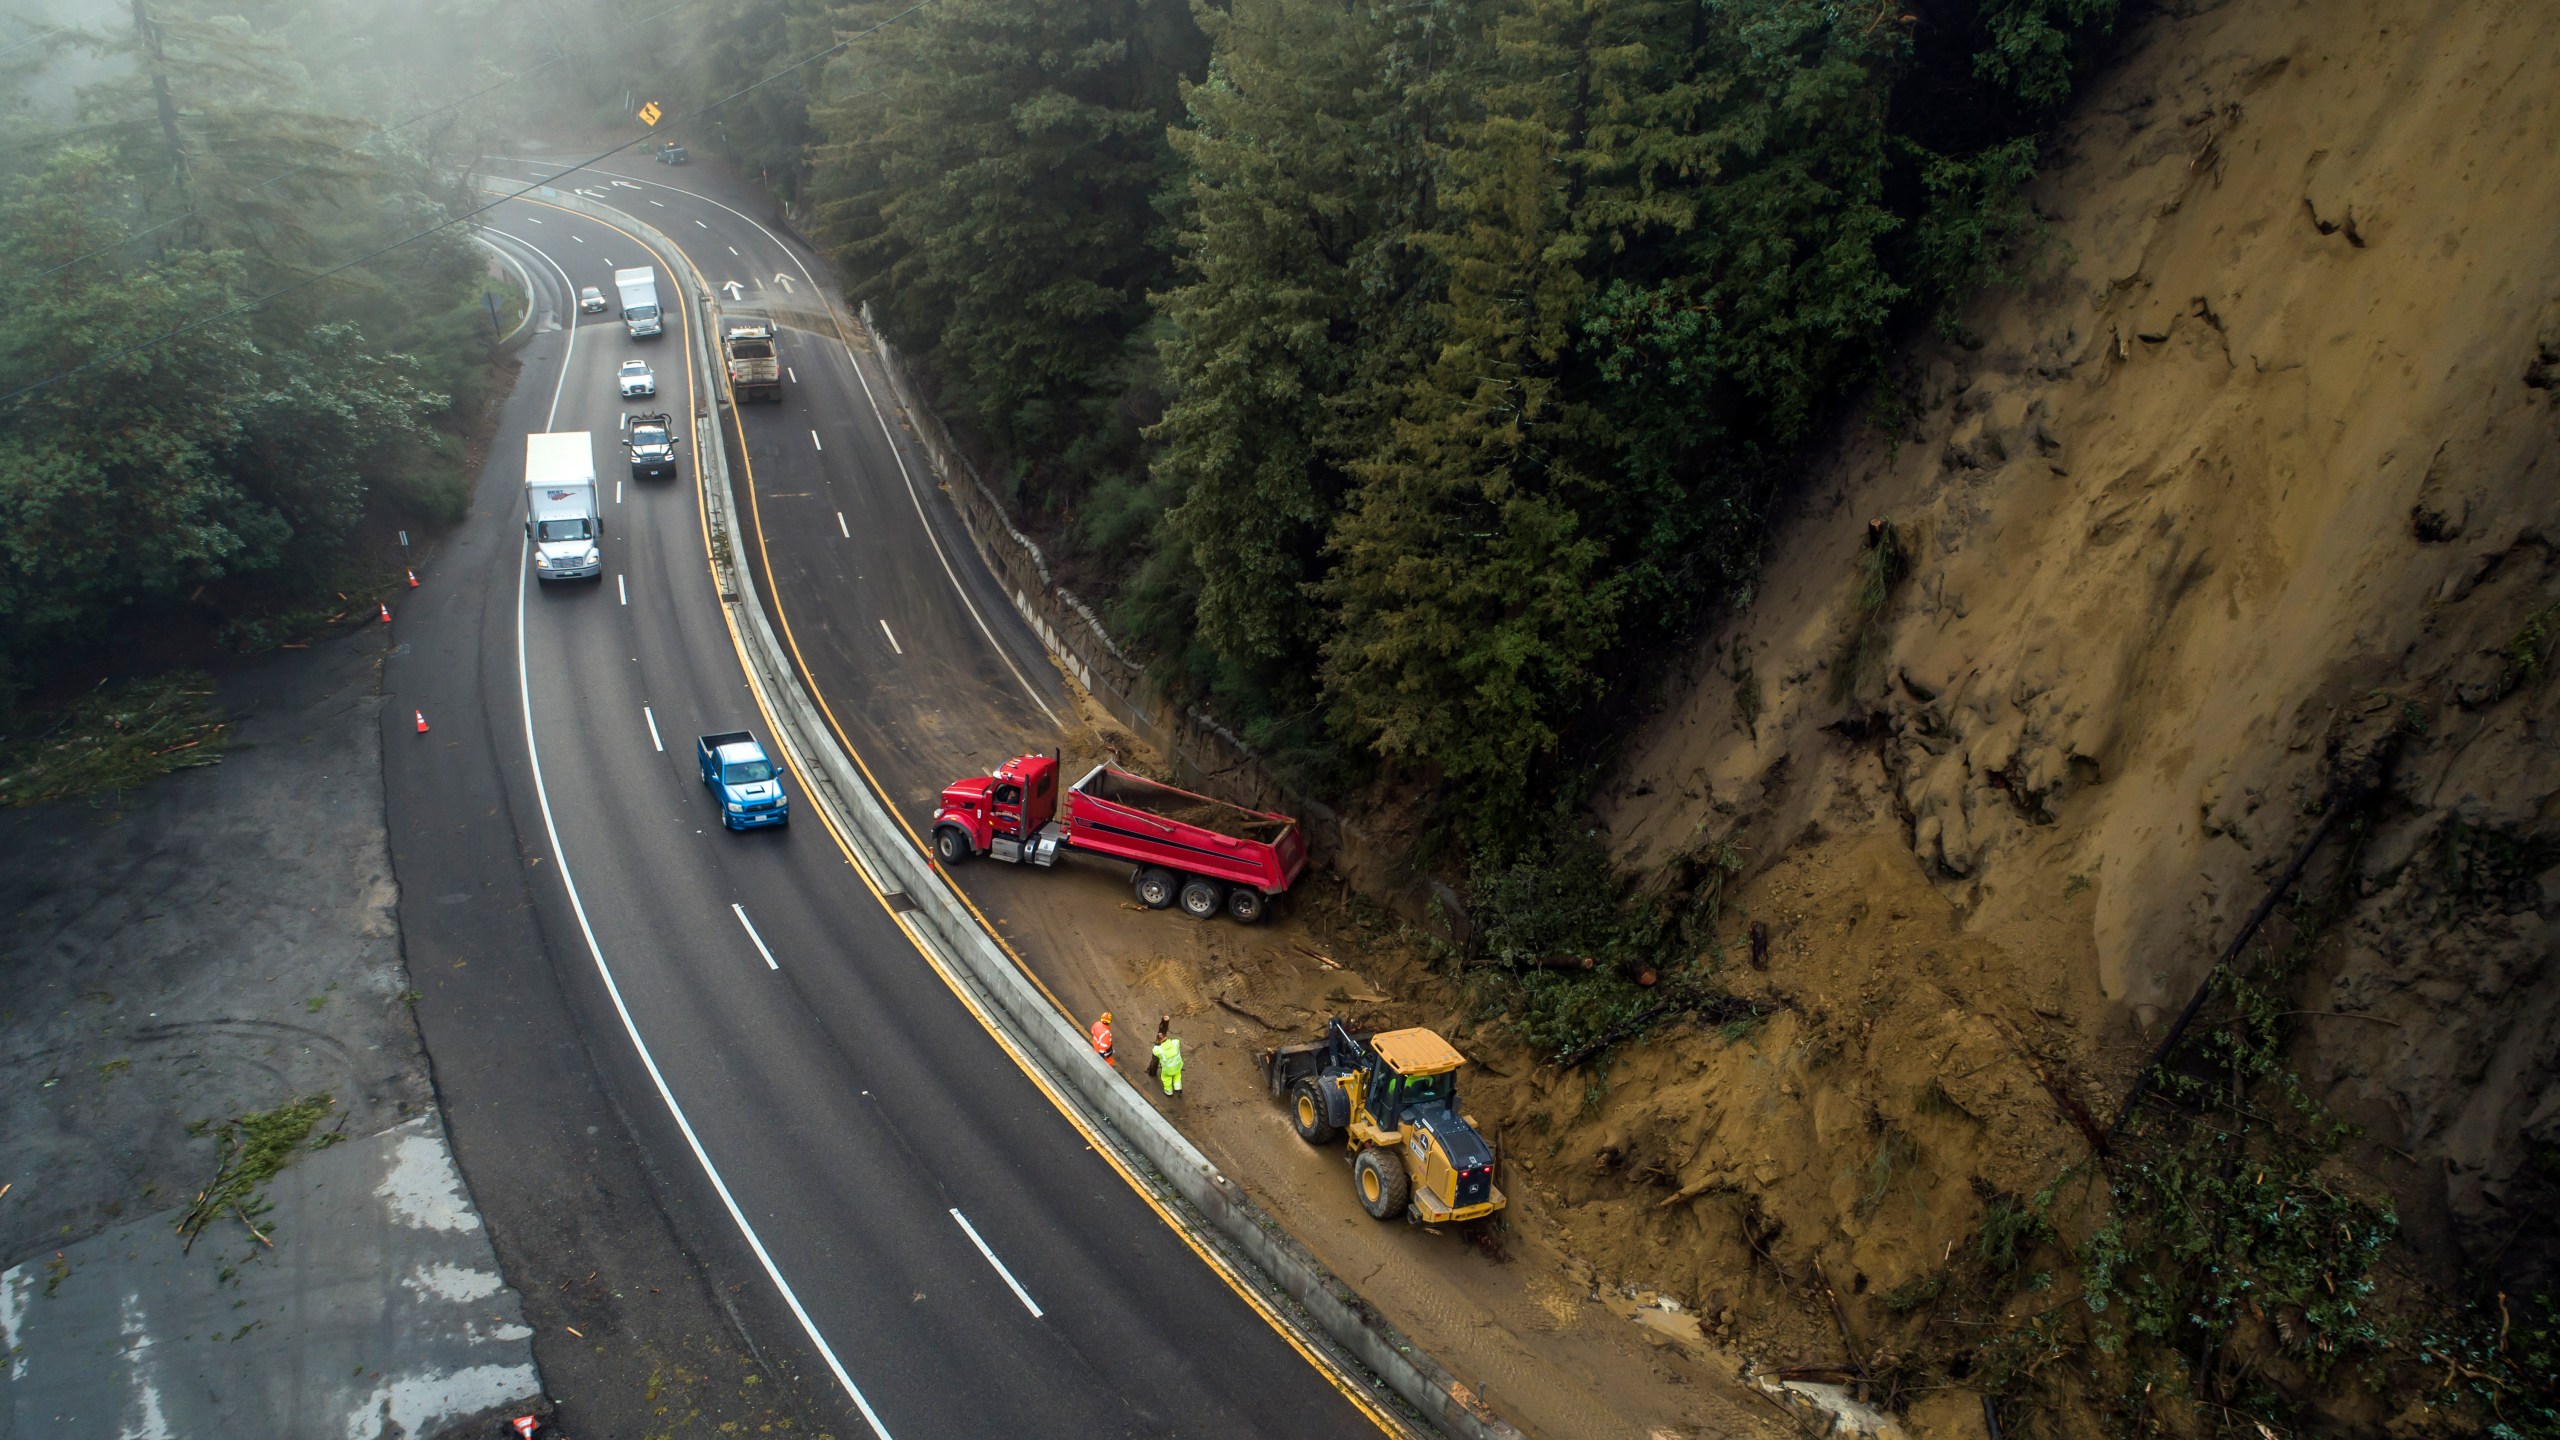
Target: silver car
[591, 301]
[637, 379]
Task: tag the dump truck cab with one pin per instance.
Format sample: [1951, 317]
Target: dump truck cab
[1395, 1096]
[1002, 812]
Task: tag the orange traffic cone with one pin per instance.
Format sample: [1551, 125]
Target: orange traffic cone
[413, 579]
[422, 722]
[386, 611]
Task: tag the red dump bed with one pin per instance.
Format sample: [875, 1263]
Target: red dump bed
[1113, 812]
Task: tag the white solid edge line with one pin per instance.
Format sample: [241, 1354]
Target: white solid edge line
[1018, 1292]
[841, 527]
[741, 912]
[893, 639]
[647, 714]
[895, 453]
[899, 455]
[571, 348]
[630, 1027]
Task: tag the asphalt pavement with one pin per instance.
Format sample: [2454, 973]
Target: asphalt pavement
[724, 1043]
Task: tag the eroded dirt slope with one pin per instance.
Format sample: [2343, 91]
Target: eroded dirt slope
[2257, 465]
[2244, 494]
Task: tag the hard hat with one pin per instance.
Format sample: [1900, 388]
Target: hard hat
[1106, 1017]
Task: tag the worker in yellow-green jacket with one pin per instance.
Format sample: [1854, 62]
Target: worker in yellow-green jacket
[1168, 1053]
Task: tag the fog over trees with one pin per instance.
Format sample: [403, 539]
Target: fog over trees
[1400, 375]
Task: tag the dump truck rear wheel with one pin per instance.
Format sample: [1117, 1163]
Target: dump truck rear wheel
[950, 845]
[1244, 904]
[1384, 1187]
[1156, 887]
[1200, 898]
[1307, 1112]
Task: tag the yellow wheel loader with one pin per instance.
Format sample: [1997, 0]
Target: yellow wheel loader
[1396, 1096]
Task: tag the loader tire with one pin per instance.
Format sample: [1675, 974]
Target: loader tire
[950, 845]
[1309, 1114]
[1384, 1187]
[1244, 904]
[1155, 886]
[1202, 899]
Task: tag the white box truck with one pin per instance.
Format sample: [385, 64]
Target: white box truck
[639, 287]
[560, 515]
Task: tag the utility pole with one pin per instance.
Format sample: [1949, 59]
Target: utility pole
[149, 34]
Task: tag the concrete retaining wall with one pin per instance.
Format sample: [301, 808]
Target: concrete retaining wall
[1205, 755]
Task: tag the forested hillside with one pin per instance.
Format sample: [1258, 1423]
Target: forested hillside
[1405, 372]
[171, 448]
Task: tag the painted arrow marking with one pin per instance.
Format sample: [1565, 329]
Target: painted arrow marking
[786, 283]
[734, 288]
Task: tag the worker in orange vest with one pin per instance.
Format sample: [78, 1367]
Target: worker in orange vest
[1102, 1037]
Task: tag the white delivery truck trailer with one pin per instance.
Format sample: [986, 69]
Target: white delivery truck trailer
[639, 287]
[560, 515]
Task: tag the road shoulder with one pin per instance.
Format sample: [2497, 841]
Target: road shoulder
[217, 944]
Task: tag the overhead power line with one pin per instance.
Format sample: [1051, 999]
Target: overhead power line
[30, 40]
[246, 306]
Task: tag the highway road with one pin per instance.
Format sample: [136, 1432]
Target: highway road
[922, 664]
[891, 1200]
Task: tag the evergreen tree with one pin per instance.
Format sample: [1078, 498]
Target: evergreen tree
[1469, 594]
[990, 180]
[1304, 302]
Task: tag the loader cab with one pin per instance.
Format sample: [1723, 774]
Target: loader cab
[1408, 1071]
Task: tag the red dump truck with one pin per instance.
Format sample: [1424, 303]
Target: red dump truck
[1202, 854]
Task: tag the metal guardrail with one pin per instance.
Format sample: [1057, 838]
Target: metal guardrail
[1221, 1214]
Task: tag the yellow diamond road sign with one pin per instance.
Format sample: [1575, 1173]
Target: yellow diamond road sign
[649, 113]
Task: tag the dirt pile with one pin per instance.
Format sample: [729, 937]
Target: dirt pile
[2247, 493]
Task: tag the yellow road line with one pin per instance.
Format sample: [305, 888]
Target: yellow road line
[1217, 1262]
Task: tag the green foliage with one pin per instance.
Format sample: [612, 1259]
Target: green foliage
[989, 179]
[1566, 901]
[1882, 566]
[2011, 1231]
[112, 739]
[2229, 1230]
[2035, 46]
[192, 449]
[2221, 1235]
[2501, 1362]
[248, 1151]
[1559, 900]
[1460, 349]
[2529, 651]
[1299, 293]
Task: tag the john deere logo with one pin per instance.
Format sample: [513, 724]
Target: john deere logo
[649, 113]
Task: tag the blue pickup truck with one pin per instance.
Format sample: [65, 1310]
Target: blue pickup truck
[748, 783]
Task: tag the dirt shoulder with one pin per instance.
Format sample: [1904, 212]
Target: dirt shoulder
[1522, 1319]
